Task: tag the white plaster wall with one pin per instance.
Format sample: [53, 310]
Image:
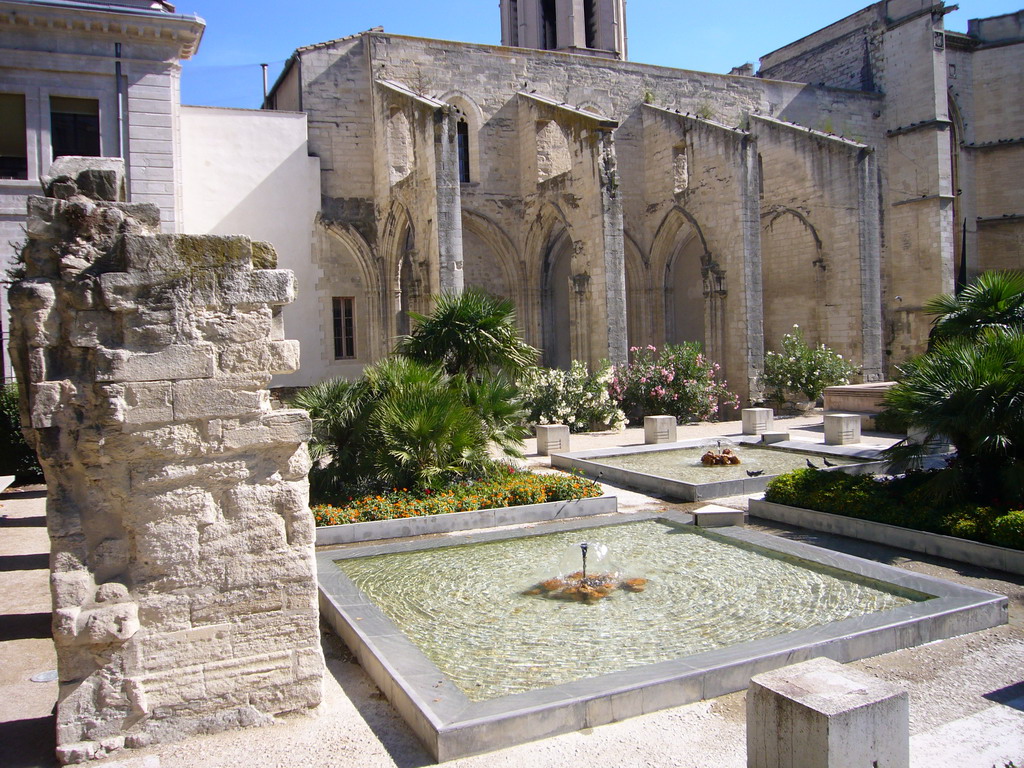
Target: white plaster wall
[248, 172]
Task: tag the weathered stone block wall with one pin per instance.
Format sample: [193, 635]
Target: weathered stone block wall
[812, 256]
[182, 568]
[520, 225]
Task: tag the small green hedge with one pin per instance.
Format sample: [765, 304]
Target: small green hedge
[16, 458]
[895, 501]
[504, 487]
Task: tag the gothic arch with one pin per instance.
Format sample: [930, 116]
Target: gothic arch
[556, 299]
[406, 279]
[794, 271]
[467, 112]
[639, 299]
[691, 276]
[489, 258]
[347, 269]
[552, 268]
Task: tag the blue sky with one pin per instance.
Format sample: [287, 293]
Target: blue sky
[707, 36]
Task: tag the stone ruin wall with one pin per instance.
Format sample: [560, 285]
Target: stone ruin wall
[182, 570]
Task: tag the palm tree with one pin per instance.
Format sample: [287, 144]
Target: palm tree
[993, 300]
[406, 424]
[471, 333]
[970, 392]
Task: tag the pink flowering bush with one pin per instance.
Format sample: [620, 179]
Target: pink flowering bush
[679, 381]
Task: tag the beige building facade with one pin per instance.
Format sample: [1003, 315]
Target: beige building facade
[859, 173]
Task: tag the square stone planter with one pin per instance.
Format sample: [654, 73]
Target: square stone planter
[351, 533]
[950, 547]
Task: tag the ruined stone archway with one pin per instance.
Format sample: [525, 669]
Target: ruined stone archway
[681, 254]
[489, 258]
[347, 270]
[639, 314]
[557, 297]
[793, 276]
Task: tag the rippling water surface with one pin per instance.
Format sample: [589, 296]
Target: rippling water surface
[684, 463]
[464, 607]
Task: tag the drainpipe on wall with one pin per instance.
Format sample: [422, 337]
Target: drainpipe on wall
[122, 139]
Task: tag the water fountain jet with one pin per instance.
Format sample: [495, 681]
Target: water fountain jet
[579, 587]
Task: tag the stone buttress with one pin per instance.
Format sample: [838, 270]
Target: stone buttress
[182, 571]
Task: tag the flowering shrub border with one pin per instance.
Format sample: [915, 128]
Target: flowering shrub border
[506, 487]
[577, 398]
[680, 382]
[802, 368]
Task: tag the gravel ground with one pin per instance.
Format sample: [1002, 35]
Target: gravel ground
[967, 694]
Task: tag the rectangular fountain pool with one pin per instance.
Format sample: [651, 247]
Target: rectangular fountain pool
[674, 470]
[473, 664]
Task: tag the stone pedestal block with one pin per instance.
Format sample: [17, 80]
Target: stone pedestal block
[774, 437]
[756, 421]
[552, 438]
[820, 714]
[716, 516]
[842, 428]
[659, 429]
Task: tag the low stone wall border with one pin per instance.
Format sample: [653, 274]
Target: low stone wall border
[353, 533]
[949, 547]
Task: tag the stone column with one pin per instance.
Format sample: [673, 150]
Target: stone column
[614, 242]
[449, 204]
[182, 570]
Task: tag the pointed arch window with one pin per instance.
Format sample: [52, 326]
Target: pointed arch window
[590, 22]
[462, 135]
[549, 25]
[513, 22]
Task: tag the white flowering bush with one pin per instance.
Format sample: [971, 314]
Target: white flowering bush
[802, 368]
[577, 398]
[679, 381]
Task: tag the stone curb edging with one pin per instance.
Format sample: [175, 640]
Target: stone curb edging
[351, 533]
[950, 547]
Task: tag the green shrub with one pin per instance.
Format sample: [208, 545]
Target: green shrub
[680, 382]
[503, 486]
[801, 368]
[1008, 530]
[576, 398]
[407, 424]
[903, 500]
[890, 421]
[16, 457]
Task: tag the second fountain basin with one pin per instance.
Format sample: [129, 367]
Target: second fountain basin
[653, 468]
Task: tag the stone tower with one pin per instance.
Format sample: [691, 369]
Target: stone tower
[592, 27]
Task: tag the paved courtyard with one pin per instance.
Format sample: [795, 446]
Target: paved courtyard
[967, 693]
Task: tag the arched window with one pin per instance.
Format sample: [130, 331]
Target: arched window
[549, 25]
[590, 22]
[513, 22]
[462, 134]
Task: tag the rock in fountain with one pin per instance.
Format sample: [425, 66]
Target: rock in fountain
[581, 588]
[720, 458]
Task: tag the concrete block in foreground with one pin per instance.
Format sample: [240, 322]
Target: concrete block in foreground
[551, 438]
[842, 428]
[659, 429]
[757, 421]
[717, 516]
[820, 714]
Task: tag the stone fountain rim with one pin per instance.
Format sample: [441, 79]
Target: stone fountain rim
[451, 726]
